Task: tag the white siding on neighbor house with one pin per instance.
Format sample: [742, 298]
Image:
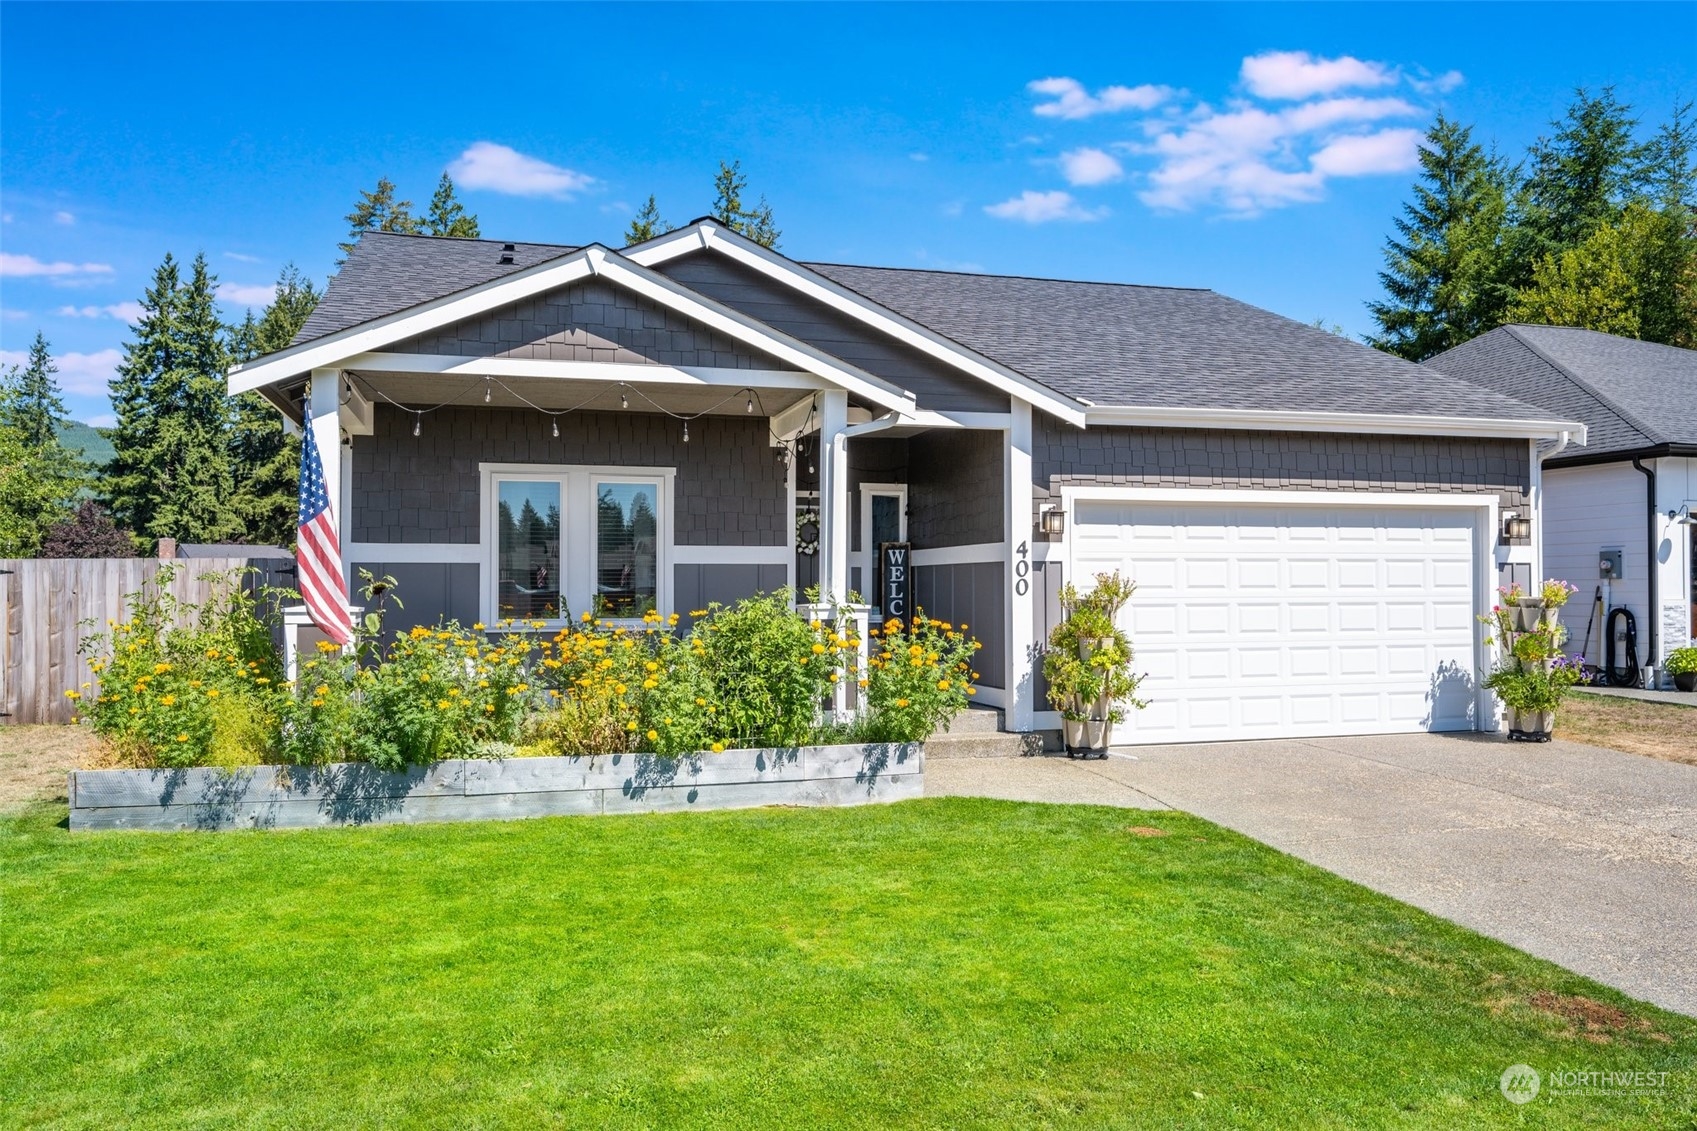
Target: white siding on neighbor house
[1676, 487]
[1588, 509]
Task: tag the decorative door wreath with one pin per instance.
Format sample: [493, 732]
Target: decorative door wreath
[807, 531]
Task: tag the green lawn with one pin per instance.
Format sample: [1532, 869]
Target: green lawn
[941, 963]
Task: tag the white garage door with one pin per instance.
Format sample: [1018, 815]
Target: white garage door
[1265, 621]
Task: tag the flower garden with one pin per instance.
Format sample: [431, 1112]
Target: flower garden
[184, 686]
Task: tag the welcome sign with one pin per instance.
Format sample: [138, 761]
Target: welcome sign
[895, 580]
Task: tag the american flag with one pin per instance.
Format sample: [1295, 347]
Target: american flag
[318, 552]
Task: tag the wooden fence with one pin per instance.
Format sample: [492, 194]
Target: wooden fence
[51, 604]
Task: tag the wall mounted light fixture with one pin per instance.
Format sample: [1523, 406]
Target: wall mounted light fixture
[1052, 521]
[1516, 526]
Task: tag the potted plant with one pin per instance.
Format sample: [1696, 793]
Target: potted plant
[1088, 665]
[1532, 676]
[1682, 665]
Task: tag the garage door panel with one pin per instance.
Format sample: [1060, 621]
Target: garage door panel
[1280, 620]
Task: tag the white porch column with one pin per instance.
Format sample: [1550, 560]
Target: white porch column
[1017, 586]
[833, 497]
[325, 400]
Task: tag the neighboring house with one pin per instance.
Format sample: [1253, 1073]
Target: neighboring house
[538, 431]
[1631, 490]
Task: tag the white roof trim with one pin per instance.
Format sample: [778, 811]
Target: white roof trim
[336, 350]
[1375, 423]
[706, 235]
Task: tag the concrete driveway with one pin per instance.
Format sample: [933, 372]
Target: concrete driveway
[1583, 856]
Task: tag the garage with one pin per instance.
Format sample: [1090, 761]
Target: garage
[1294, 619]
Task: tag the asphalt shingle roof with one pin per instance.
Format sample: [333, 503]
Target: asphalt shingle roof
[1631, 394]
[1111, 344]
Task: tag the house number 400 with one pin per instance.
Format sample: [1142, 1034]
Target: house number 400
[1022, 570]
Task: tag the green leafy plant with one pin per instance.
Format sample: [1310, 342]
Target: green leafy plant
[919, 675]
[1681, 661]
[169, 672]
[1089, 656]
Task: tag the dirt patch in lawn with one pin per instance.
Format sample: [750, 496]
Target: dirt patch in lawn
[1659, 730]
[1593, 1020]
[1145, 830]
[34, 760]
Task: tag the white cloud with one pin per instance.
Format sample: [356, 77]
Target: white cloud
[1297, 74]
[65, 218]
[1089, 166]
[101, 420]
[1436, 84]
[498, 168]
[247, 294]
[1249, 159]
[122, 311]
[28, 266]
[84, 374]
[1361, 155]
[240, 258]
[1069, 98]
[1043, 207]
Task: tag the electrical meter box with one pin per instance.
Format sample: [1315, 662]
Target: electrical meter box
[1608, 565]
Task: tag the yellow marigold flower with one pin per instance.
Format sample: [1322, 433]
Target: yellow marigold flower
[318, 702]
[972, 691]
[630, 725]
[652, 666]
[212, 693]
[167, 700]
[717, 748]
[698, 612]
[834, 677]
[943, 685]
[182, 738]
[650, 683]
[424, 677]
[483, 683]
[135, 710]
[263, 679]
[161, 669]
[700, 702]
[73, 696]
[620, 688]
[489, 708]
[653, 734]
[453, 693]
[442, 704]
[818, 649]
[864, 682]
[901, 702]
[212, 653]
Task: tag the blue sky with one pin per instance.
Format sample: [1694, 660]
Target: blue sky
[1260, 150]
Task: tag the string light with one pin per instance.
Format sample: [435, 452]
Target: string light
[417, 422]
[555, 421]
[487, 391]
[686, 431]
[750, 403]
[624, 401]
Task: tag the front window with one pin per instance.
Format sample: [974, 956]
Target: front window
[528, 550]
[627, 550]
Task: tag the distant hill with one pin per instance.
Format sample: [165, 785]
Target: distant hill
[85, 438]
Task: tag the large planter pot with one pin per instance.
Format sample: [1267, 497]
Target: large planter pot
[1531, 726]
[1685, 681]
[474, 789]
[1072, 733]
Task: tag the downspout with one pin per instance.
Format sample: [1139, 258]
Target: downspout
[1538, 458]
[1654, 612]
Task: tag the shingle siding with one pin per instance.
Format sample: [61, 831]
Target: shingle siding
[955, 488]
[730, 491]
[934, 385]
[1152, 457]
[591, 321]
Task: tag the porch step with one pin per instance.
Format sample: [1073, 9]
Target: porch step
[977, 733]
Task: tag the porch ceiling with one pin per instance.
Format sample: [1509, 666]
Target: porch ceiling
[424, 390]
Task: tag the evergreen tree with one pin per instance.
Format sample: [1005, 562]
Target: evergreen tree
[1595, 285]
[1669, 287]
[170, 474]
[729, 184]
[646, 224]
[38, 480]
[379, 211]
[447, 217]
[1442, 272]
[1581, 176]
[34, 404]
[266, 459]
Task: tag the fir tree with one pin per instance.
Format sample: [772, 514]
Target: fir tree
[1442, 269]
[646, 224]
[378, 211]
[171, 474]
[447, 217]
[267, 461]
[34, 404]
[729, 184]
[1581, 176]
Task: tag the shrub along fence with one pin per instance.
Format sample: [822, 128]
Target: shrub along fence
[51, 604]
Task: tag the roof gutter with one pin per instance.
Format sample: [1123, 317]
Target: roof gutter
[1257, 420]
[1657, 451]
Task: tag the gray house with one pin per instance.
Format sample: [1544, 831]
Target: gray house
[537, 431]
[1625, 498]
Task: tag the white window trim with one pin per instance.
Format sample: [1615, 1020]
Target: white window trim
[868, 553]
[577, 529]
